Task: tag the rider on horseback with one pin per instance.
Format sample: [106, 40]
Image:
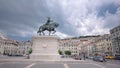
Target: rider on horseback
[48, 21]
[49, 26]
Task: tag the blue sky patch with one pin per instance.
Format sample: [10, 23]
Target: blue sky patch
[111, 8]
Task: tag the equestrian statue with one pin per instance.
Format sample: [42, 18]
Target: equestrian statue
[49, 26]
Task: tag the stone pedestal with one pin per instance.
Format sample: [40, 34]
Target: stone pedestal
[45, 48]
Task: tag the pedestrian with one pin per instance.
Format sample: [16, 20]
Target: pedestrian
[104, 59]
[84, 56]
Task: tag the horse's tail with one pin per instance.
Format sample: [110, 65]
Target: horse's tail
[39, 30]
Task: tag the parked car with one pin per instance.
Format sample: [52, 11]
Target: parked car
[109, 57]
[90, 57]
[117, 57]
[99, 58]
[77, 58]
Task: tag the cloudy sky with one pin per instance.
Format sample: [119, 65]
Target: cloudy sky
[20, 19]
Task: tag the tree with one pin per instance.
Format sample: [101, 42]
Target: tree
[30, 50]
[67, 52]
[60, 52]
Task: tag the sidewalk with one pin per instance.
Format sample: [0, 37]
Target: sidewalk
[24, 59]
[11, 57]
[114, 61]
[40, 60]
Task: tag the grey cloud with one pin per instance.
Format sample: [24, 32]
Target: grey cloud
[112, 20]
[17, 16]
[58, 15]
[28, 15]
[110, 7]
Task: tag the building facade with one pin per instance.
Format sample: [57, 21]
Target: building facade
[78, 46]
[68, 44]
[10, 47]
[2, 42]
[102, 45]
[13, 48]
[115, 38]
[87, 44]
[24, 47]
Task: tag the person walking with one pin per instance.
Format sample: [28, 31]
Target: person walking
[104, 59]
[84, 56]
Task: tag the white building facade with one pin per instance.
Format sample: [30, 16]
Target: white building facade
[115, 38]
[13, 48]
[68, 44]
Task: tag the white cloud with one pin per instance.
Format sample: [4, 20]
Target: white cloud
[82, 15]
[112, 20]
[62, 35]
[76, 17]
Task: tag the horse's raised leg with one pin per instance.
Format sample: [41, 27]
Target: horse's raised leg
[39, 33]
[43, 33]
[54, 31]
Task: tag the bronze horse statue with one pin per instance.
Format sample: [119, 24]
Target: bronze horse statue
[48, 26]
